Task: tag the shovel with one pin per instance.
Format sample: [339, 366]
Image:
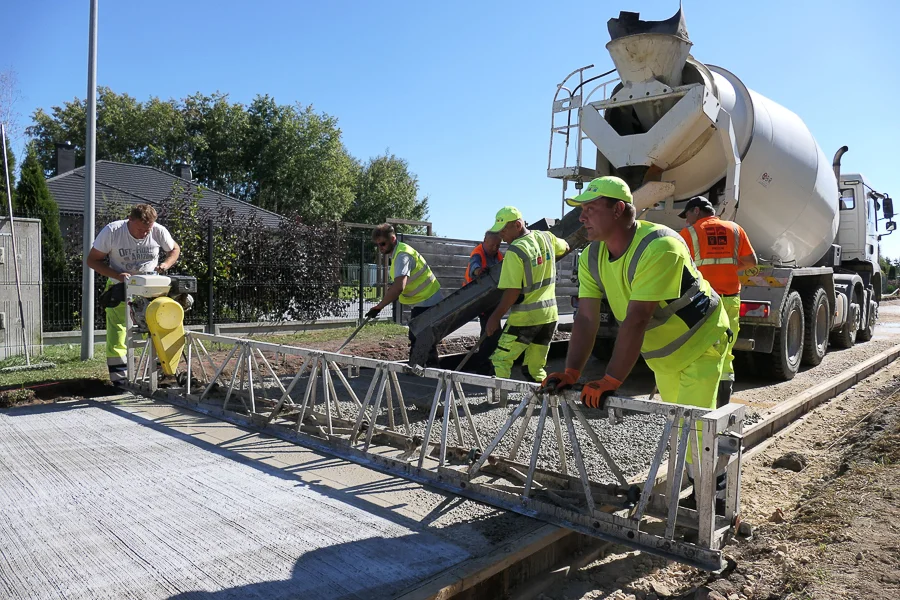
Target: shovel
[471, 352]
[353, 335]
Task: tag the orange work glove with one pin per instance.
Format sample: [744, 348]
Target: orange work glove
[556, 382]
[594, 393]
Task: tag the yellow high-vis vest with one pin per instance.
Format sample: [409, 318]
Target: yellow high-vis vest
[421, 283]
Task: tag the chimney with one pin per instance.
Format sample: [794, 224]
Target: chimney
[183, 170]
[65, 158]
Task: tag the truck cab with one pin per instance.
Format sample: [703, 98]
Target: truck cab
[858, 233]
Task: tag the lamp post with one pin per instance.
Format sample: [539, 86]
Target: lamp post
[90, 159]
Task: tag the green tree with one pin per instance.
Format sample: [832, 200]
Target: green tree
[386, 189]
[217, 129]
[65, 123]
[297, 162]
[183, 217]
[33, 200]
[883, 261]
[11, 159]
[286, 158]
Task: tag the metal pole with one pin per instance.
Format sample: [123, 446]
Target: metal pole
[15, 256]
[90, 159]
[210, 270]
[398, 309]
[362, 260]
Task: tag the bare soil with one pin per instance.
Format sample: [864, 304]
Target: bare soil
[830, 531]
[54, 391]
[393, 348]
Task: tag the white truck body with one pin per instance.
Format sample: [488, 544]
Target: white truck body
[670, 120]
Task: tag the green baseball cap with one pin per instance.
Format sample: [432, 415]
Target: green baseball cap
[603, 187]
[505, 215]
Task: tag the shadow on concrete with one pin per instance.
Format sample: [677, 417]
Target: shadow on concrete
[304, 476]
[51, 389]
[353, 570]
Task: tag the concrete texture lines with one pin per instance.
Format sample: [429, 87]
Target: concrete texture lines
[96, 505]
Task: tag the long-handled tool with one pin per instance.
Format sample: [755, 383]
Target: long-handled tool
[353, 335]
[471, 352]
[12, 230]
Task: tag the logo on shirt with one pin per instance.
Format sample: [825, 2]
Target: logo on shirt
[717, 241]
[539, 260]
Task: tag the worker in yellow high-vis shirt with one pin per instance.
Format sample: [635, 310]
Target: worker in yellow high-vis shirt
[413, 282]
[528, 281]
[666, 311]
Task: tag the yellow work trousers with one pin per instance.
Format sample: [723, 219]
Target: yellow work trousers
[732, 306]
[115, 341]
[533, 340]
[697, 384]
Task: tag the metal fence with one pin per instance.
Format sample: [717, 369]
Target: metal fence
[257, 292]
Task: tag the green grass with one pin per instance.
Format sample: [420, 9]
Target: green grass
[372, 332]
[68, 366]
[347, 292]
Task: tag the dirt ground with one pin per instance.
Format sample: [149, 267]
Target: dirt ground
[830, 531]
[393, 348]
[55, 391]
[397, 347]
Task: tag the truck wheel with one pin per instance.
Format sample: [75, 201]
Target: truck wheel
[788, 348]
[817, 315]
[845, 337]
[865, 334]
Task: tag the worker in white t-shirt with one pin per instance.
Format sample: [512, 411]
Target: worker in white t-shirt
[130, 247]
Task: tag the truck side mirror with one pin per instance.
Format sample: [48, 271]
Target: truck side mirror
[888, 206]
[890, 226]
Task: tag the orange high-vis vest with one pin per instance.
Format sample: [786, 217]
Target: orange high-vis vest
[479, 250]
[715, 247]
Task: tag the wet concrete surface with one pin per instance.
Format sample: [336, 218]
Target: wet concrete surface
[144, 500]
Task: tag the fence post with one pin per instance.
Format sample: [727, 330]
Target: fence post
[398, 309]
[210, 268]
[362, 260]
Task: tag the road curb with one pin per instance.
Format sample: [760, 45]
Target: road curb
[788, 412]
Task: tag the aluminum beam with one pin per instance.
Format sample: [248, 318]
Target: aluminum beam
[366, 432]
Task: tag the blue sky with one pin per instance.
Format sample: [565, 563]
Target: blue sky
[463, 90]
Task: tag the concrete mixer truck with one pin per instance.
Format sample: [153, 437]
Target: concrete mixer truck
[674, 128]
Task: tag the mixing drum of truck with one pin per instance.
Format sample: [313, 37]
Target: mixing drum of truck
[672, 119]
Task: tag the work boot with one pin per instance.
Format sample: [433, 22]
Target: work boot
[724, 395]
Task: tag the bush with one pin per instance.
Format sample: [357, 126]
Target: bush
[289, 273]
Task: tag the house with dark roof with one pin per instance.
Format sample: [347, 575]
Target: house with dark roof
[127, 184]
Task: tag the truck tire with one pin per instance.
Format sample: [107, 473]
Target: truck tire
[845, 337]
[817, 315]
[784, 362]
[865, 334]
